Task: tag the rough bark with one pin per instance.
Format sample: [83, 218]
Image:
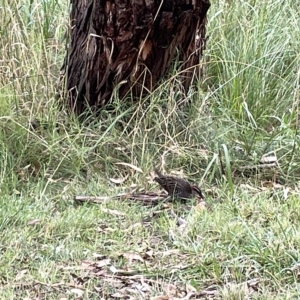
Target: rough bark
[128, 45]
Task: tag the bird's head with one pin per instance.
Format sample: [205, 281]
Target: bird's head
[196, 190]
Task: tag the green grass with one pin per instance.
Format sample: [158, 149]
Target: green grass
[247, 106]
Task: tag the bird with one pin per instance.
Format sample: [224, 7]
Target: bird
[177, 187]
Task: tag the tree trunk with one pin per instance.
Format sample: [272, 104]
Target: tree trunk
[128, 44]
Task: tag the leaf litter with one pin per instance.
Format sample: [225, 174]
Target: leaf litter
[127, 283]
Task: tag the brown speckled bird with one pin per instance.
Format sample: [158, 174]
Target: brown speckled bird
[177, 187]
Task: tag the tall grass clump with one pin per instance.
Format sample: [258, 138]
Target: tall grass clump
[246, 107]
[32, 35]
[253, 76]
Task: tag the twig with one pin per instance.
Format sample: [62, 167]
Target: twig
[92, 199]
[148, 198]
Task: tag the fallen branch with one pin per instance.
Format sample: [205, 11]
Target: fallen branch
[146, 198]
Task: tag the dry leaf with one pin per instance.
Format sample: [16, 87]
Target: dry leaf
[132, 256]
[170, 252]
[268, 159]
[103, 263]
[161, 298]
[248, 187]
[135, 225]
[130, 166]
[34, 222]
[277, 185]
[119, 295]
[171, 290]
[147, 46]
[181, 222]
[175, 268]
[113, 281]
[21, 274]
[97, 255]
[285, 193]
[142, 286]
[210, 291]
[149, 254]
[113, 212]
[133, 185]
[114, 270]
[118, 180]
[88, 265]
[78, 292]
[189, 296]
